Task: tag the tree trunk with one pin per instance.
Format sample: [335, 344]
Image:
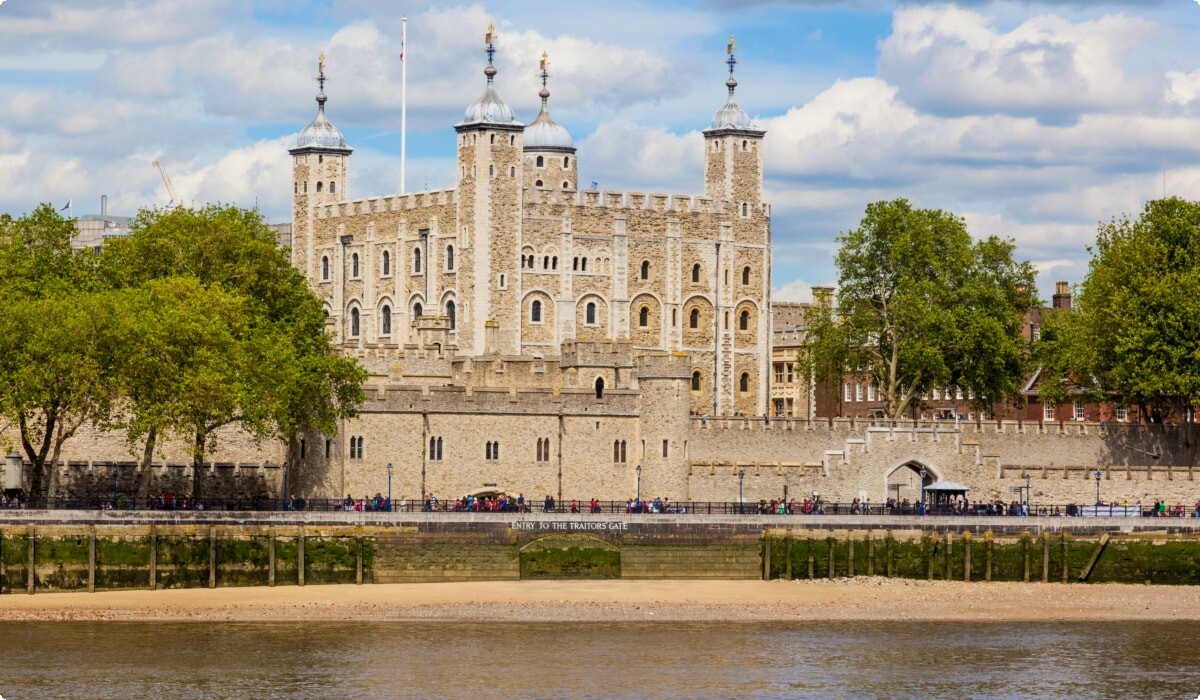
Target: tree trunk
[37, 457]
[143, 490]
[198, 463]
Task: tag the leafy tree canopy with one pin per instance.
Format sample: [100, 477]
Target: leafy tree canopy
[1134, 334]
[920, 306]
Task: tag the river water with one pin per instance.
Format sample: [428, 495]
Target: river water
[597, 660]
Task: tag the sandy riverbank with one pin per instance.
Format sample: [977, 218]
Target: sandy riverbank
[550, 601]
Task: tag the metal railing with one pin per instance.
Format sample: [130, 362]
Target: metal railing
[585, 508]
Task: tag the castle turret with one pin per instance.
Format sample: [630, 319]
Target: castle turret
[320, 166]
[549, 151]
[490, 173]
[733, 152]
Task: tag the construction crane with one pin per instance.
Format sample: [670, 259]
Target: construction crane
[167, 181]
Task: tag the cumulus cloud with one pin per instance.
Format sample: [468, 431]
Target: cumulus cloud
[796, 290]
[950, 60]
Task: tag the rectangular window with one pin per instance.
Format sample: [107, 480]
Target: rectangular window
[1047, 411]
[790, 377]
[1122, 414]
[871, 394]
[779, 373]
[1035, 331]
[666, 449]
[858, 392]
[937, 394]
[1079, 410]
[958, 393]
[849, 392]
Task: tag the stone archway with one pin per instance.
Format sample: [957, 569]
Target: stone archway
[903, 480]
[570, 555]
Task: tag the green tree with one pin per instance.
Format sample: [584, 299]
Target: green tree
[56, 354]
[272, 373]
[921, 306]
[1134, 334]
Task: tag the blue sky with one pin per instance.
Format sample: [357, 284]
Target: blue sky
[1032, 120]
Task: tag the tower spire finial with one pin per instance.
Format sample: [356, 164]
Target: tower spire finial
[731, 62]
[321, 82]
[545, 76]
[490, 48]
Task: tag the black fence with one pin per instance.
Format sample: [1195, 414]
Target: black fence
[591, 507]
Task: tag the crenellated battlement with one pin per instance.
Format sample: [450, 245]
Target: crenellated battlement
[389, 203]
[664, 365]
[614, 353]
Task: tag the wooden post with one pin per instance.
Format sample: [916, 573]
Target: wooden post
[812, 569]
[271, 558]
[890, 554]
[1045, 557]
[3, 569]
[787, 548]
[766, 564]
[987, 536]
[212, 556]
[870, 553]
[832, 565]
[966, 538]
[1064, 557]
[929, 544]
[153, 558]
[948, 557]
[850, 556]
[1087, 570]
[92, 559]
[358, 559]
[300, 557]
[1025, 553]
[31, 537]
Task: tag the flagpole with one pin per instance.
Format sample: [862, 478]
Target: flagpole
[403, 98]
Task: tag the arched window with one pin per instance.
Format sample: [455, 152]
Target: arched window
[417, 310]
[566, 185]
[644, 317]
[745, 209]
[332, 187]
[546, 262]
[492, 168]
[493, 139]
[696, 380]
[674, 317]
[616, 451]
[744, 321]
[645, 269]
[306, 187]
[416, 260]
[354, 323]
[537, 183]
[590, 314]
[746, 275]
[450, 310]
[439, 449]
[385, 320]
[449, 258]
[354, 265]
[745, 145]
[566, 162]
[319, 185]
[324, 267]
[744, 382]
[554, 263]
[694, 319]
[696, 273]
[540, 162]
[535, 312]
[599, 387]
[512, 171]
[387, 263]
[575, 264]
[583, 264]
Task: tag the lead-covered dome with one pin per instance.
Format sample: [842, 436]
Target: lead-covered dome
[321, 133]
[489, 108]
[544, 132]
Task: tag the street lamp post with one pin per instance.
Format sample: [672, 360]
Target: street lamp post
[1098, 475]
[389, 487]
[741, 478]
[283, 501]
[922, 474]
[638, 470]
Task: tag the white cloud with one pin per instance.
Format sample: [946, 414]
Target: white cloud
[1183, 88]
[951, 60]
[796, 290]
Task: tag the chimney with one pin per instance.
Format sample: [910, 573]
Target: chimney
[1062, 295]
[103, 205]
[822, 295]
